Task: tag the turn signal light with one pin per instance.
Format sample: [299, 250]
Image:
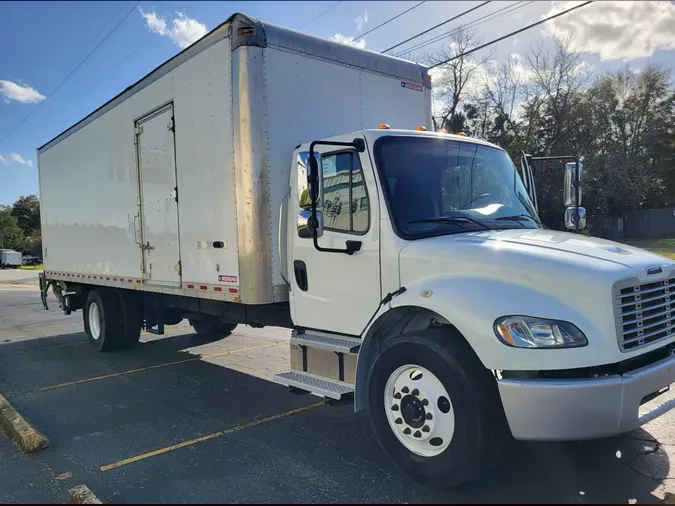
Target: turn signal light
[383, 126]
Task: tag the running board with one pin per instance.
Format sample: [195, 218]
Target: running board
[338, 344]
[315, 384]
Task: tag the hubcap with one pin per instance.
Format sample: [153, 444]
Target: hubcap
[419, 410]
[94, 321]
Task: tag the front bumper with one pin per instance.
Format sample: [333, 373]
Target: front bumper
[563, 410]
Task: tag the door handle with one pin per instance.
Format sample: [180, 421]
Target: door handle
[136, 231]
[300, 270]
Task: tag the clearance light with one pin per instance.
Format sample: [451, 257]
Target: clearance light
[421, 129]
[462, 134]
[383, 126]
[441, 131]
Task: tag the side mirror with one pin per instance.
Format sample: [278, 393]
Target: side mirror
[306, 191]
[571, 217]
[306, 227]
[569, 183]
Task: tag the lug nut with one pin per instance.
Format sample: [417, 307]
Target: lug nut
[394, 407]
[425, 402]
[426, 428]
[398, 421]
[407, 431]
[429, 416]
[417, 434]
[415, 392]
[397, 395]
[405, 390]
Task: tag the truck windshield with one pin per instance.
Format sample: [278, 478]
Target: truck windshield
[436, 186]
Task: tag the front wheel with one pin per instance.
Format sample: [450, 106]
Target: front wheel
[433, 407]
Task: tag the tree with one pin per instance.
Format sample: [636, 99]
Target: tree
[11, 235]
[27, 212]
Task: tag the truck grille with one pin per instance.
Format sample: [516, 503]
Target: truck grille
[644, 313]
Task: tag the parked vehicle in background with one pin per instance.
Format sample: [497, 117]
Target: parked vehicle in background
[30, 260]
[10, 259]
[246, 181]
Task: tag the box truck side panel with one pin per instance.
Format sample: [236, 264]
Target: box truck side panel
[310, 98]
[89, 182]
[204, 158]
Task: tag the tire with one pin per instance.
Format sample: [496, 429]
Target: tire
[104, 320]
[132, 316]
[211, 328]
[469, 417]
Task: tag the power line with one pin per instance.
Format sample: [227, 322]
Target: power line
[510, 34]
[388, 21]
[321, 14]
[72, 72]
[439, 24]
[472, 24]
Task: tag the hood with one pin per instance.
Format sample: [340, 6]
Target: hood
[577, 244]
[525, 251]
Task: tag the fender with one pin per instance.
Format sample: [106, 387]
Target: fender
[471, 304]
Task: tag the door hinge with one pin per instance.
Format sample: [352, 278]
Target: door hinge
[138, 130]
[171, 126]
[176, 190]
[179, 268]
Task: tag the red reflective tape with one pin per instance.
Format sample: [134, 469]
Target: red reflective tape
[108, 279]
[191, 286]
[122, 280]
[89, 277]
[217, 289]
[233, 290]
[138, 281]
[114, 279]
[203, 287]
[130, 280]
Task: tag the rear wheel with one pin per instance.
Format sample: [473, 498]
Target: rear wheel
[104, 320]
[212, 328]
[131, 305]
[434, 407]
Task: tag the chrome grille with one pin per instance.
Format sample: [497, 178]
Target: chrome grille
[644, 313]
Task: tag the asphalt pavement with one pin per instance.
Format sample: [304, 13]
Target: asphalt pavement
[183, 420]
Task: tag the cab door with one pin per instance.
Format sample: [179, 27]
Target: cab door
[332, 291]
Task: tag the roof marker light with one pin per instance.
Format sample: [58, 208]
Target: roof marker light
[383, 126]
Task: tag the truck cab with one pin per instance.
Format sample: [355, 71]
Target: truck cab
[423, 285]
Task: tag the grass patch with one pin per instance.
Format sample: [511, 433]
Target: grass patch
[664, 246]
[38, 267]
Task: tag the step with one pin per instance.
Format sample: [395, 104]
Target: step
[340, 344]
[315, 384]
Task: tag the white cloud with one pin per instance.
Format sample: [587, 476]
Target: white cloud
[345, 39]
[183, 32]
[361, 20]
[20, 93]
[616, 30]
[20, 159]
[3, 160]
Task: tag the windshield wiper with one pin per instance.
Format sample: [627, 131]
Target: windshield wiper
[449, 219]
[518, 217]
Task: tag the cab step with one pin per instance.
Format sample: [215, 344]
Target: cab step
[339, 344]
[315, 384]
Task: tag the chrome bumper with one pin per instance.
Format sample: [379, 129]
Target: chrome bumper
[563, 410]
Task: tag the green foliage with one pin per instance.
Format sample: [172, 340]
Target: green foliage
[11, 235]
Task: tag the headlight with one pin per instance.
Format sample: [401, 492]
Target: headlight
[529, 332]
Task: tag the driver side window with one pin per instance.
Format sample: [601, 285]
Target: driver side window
[345, 200]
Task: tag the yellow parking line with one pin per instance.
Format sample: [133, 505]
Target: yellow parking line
[234, 429]
[131, 371]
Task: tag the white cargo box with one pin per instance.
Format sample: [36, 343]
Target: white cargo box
[174, 185]
[10, 258]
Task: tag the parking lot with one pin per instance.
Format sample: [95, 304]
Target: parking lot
[182, 420]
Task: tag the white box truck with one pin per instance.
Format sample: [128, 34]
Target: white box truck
[246, 181]
[10, 258]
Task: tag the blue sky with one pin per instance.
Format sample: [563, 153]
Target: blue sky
[44, 41]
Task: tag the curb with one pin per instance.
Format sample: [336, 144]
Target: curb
[82, 495]
[18, 429]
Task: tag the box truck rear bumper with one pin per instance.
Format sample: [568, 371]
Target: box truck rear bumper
[576, 409]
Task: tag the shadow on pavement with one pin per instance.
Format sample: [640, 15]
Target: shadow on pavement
[322, 454]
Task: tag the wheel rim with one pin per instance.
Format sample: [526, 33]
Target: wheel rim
[419, 410]
[94, 321]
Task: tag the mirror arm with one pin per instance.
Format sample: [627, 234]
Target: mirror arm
[360, 146]
[576, 183]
